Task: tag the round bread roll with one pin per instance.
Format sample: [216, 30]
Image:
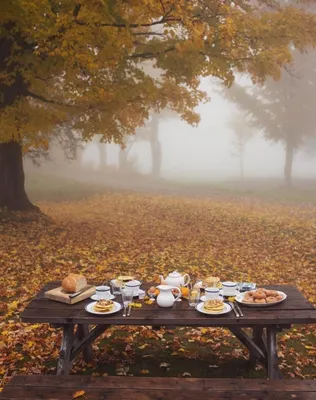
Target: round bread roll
[248, 300]
[271, 299]
[73, 283]
[259, 295]
[260, 301]
[271, 293]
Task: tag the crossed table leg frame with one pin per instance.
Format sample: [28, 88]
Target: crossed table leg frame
[262, 345]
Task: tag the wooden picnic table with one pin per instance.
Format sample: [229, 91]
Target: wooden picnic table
[78, 336]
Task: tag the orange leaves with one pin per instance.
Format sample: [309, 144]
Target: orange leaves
[78, 394]
[147, 235]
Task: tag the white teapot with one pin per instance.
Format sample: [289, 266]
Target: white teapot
[165, 297]
[175, 279]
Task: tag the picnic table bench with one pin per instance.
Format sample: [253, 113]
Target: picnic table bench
[132, 388]
[263, 323]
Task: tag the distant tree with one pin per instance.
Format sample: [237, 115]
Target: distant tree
[80, 62]
[283, 110]
[243, 132]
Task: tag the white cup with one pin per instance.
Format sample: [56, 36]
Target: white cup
[229, 288]
[135, 285]
[103, 292]
[211, 293]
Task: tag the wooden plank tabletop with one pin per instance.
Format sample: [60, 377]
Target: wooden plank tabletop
[296, 309]
[147, 388]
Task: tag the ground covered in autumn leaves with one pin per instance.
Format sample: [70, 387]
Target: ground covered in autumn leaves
[124, 232]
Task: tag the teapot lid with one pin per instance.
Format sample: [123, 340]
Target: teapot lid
[174, 274]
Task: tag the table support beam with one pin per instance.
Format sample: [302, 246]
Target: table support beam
[247, 341]
[82, 333]
[272, 356]
[64, 363]
[87, 340]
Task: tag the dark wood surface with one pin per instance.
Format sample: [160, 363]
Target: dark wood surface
[135, 388]
[294, 310]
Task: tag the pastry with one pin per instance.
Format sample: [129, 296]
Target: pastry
[73, 283]
[259, 295]
[213, 305]
[271, 299]
[104, 306]
[212, 281]
[271, 293]
[125, 278]
[260, 301]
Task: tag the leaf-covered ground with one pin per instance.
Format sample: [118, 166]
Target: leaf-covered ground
[116, 233]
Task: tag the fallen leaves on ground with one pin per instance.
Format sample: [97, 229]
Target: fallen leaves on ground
[121, 233]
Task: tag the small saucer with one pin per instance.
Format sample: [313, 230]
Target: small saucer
[230, 295]
[203, 298]
[141, 291]
[95, 297]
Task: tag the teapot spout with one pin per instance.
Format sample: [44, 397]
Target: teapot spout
[162, 280]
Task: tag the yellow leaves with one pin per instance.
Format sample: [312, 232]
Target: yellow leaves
[232, 239]
[79, 393]
[144, 372]
[136, 305]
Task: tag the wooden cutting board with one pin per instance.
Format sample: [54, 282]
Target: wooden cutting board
[58, 294]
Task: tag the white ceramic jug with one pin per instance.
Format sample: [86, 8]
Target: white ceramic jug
[165, 297]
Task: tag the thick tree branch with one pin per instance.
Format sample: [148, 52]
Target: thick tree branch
[163, 20]
[48, 101]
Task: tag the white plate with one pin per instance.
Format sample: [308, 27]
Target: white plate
[227, 309]
[203, 298]
[240, 297]
[96, 297]
[89, 309]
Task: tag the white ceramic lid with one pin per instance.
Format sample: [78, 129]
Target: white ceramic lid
[174, 274]
[102, 288]
[229, 284]
[212, 289]
[133, 283]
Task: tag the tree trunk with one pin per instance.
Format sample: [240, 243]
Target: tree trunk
[102, 155]
[155, 146]
[12, 192]
[123, 160]
[289, 155]
[241, 165]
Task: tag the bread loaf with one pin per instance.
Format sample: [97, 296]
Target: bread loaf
[73, 283]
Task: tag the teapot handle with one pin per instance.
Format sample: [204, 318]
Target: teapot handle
[188, 281]
[179, 295]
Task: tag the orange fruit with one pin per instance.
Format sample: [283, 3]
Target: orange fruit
[185, 291]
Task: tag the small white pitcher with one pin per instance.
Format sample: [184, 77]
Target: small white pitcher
[165, 297]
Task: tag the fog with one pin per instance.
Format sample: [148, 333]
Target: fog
[207, 152]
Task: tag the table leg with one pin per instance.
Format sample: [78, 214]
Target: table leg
[82, 332]
[272, 356]
[64, 362]
[258, 339]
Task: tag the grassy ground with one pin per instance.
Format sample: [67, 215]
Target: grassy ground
[103, 232]
[57, 188]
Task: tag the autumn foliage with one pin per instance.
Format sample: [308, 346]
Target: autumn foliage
[100, 67]
[117, 233]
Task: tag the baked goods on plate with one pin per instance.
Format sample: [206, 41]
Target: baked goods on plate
[73, 283]
[261, 297]
[125, 278]
[212, 281]
[104, 306]
[213, 305]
